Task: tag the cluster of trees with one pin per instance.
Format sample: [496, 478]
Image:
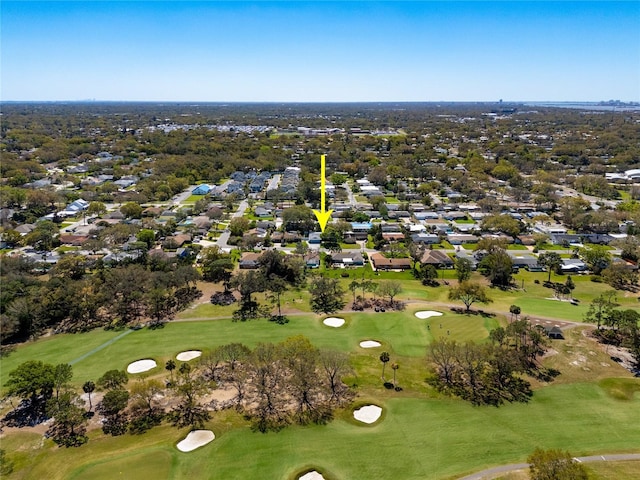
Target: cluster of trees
[386, 358]
[615, 326]
[275, 384]
[78, 296]
[45, 391]
[276, 273]
[490, 374]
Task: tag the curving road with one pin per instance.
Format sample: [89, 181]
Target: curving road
[493, 472]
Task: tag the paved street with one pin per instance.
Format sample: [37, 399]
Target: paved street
[222, 240]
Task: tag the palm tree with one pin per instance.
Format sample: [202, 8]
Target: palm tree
[514, 310]
[171, 366]
[384, 358]
[551, 261]
[394, 367]
[88, 388]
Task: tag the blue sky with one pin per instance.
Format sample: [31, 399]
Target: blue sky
[320, 51]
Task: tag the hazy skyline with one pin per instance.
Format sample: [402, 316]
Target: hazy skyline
[320, 51]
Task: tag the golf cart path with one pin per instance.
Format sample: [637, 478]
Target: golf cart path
[492, 472]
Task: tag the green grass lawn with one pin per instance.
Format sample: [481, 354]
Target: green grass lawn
[193, 198]
[434, 438]
[613, 470]
[400, 333]
[591, 407]
[516, 246]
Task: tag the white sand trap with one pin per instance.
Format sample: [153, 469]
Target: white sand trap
[370, 344]
[141, 366]
[188, 355]
[312, 476]
[333, 322]
[195, 439]
[367, 414]
[428, 314]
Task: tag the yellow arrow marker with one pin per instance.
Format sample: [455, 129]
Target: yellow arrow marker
[322, 216]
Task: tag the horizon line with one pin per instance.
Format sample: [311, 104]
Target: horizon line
[499, 101]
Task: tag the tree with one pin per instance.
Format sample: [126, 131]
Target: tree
[302, 361]
[416, 252]
[326, 295]
[384, 358]
[268, 376]
[145, 414]
[189, 387]
[597, 258]
[233, 353]
[463, 268]
[502, 223]
[248, 283]
[276, 286]
[620, 276]
[601, 309]
[96, 208]
[498, 267]
[70, 266]
[469, 293]
[170, 366]
[550, 261]
[443, 354]
[62, 375]
[335, 364]
[555, 465]
[113, 379]
[238, 225]
[331, 240]
[112, 406]
[131, 210]
[146, 236]
[353, 287]
[394, 367]
[68, 428]
[514, 310]
[390, 288]
[88, 387]
[30, 380]
[216, 266]
[428, 275]
[299, 218]
[42, 236]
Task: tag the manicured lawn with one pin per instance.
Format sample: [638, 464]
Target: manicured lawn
[400, 333]
[434, 438]
[613, 470]
[193, 198]
[516, 246]
[591, 408]
[153, 463]
[550, 246]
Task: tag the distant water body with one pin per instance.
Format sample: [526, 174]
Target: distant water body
[587, 106]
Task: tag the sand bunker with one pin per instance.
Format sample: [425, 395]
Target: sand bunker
[333, 322]
[141, 366]
[195, 439]
[188, 355]
[367, 414]
[311, 476]
[428, 314]
[370, 344]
